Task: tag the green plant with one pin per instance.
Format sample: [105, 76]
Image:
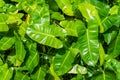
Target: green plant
[59, 40]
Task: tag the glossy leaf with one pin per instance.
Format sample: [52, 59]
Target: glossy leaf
[3, 24]
[20, 76]
[88, 44]
[39, 74]
[77, 69]
[63, 63]
[6, 42]
[114, 47]
[5, 72]
[33, 58]
[46, 35]
[89, 12]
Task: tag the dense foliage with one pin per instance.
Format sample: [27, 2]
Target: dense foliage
[59, 39]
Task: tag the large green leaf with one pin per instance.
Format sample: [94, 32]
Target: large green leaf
[90, 12]
[5, 72]
[33, 57]
[63, 63]
[19, 48]
[6, 42]
[3, 24]
[20, 76]
[89, 45]
[114, 47]
[40, 31]
[39, 74]
[46, 35]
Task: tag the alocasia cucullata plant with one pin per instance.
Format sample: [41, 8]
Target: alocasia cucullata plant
[59, 40]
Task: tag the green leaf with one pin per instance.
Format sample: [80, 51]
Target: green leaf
[6, 42]
[114, 47]
[13, 18]
[2, 3]
[105, 76]
[77, 69]
[89, 45]
[109, 37]
[22, 29]
[114, 10]
[51, 71]
[20, 76]
[71, 27]
[19, 48]
[63, 63]
[3, 24]
[90, 13]
[39, 74]
[113, 65]
[33, 57]
[65, 6]
[5, 72]
[46, 35]
[57, 16]
[1, 62]
[101, 54]
[40, 16]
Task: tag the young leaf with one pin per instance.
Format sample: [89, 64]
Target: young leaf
[63, 63]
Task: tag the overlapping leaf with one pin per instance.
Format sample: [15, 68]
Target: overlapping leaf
[89, 45]
[89, 12]
[63, 63]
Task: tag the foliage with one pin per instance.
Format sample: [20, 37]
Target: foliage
[59, 39]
